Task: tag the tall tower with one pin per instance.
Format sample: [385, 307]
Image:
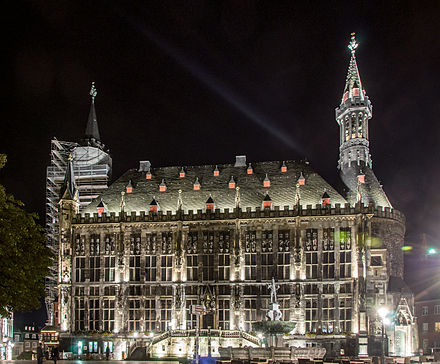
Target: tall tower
[68, 207]
[91, 168]
[353, 115]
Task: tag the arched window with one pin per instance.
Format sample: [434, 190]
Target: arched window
[347, 128]
[360, 125]
[353, 125]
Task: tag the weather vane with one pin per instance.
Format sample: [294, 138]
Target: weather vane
[353, 44]
[93, 91]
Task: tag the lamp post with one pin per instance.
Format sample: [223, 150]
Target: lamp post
[383, 313]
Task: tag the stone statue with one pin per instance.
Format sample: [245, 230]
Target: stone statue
[274, 312]
[273, 291]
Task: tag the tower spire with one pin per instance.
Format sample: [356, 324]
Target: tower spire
[353, 84]
[353, 116]
[92, 131]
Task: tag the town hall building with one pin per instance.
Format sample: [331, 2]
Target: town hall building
[161, 241]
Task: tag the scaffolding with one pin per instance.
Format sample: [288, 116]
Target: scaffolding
[92, 169]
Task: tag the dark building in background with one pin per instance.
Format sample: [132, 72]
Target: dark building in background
[428, 322]
[25, 343]
[160, 240]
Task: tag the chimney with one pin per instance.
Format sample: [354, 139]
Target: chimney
[240, 161]
[144, 166]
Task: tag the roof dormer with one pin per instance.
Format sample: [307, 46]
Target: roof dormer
[210, 204]
[325, 199]
[231, 184]
[267, 202]
[148, 174]
[162, 186]
[250, 170]
[216, 171]
[266, 182]
[101, 208]
[182, 173]
[197, 184]
[154, 207]
[284, 167]
[129, 187]
[301, 180]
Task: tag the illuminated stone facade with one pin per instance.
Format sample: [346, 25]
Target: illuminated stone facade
[162, 239]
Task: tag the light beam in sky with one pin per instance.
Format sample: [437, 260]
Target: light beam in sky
[218, 86]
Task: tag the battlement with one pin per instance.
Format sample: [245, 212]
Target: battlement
[238, 213]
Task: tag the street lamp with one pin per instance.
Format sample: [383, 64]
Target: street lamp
[383, 313]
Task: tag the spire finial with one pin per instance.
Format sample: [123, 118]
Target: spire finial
[93, 91]
[353, 44]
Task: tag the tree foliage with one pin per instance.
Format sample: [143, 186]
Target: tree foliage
[24, 258]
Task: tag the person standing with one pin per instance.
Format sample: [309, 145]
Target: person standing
[107, 353]
[39, 354]
[55, 353]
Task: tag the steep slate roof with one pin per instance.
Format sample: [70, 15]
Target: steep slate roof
[371, 190]
[252, 193]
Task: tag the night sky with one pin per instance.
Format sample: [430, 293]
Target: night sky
[198, 82]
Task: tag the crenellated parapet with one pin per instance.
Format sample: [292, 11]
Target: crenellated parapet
[237, 213]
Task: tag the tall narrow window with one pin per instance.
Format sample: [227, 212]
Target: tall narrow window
[207, 267]
[250, 256]
[80, 269]
[224, 266]
[267, 266]
[165, 313]
[192, 267]
[328, 315]
[328, 254]
[134, 314]
[345, 253]
[208, 256]
[135, 259]
[108, 312]
[250, 266]
[109, 269]
[150, 314]
[224, 257]
[360, 121]
[345, 314]
[283, 266]
[166, 268]
[79, 314]
[285, 308]
[150, 268]
[353, 126]
[311, 248]
[191, 320]
[93, 314]
[250, 313]
[311, 315]
[94, 259]
[223, 314]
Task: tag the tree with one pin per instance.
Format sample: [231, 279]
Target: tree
[24, 258]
